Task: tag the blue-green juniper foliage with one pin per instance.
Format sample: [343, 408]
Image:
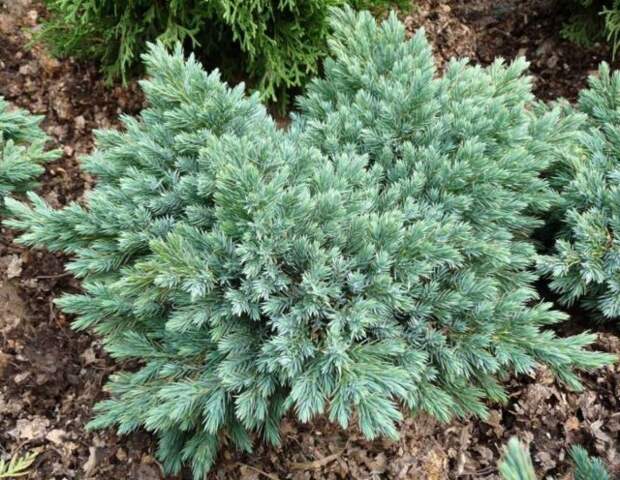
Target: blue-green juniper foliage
[371, 258]
[517, 464]
[585, 266]
[22, 150]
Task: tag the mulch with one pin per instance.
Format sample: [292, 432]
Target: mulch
[51, 376]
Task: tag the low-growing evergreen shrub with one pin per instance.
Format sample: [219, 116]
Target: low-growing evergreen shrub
[373, 257]
[22, 150]
[278, 44]
[585, 266]
[517, 464]
[591, 21]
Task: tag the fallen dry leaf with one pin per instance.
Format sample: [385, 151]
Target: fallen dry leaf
[56, 436]
[316, 464]
[33, 428]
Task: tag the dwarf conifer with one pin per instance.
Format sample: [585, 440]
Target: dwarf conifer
[22, 150]
[374, 257]
[585, 267]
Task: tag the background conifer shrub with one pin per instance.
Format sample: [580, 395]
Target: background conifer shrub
[585, 266]
[22, 150]
[592, 21]
[277, 43]
[372, 257]
[517, 464]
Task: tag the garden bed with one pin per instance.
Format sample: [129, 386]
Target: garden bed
[51, 376]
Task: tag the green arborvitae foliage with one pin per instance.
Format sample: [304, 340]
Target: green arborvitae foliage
[517, 464]
[279, 44]
[17, 466]
[371, 257]
[22, 150]
[592, 21]
[585, 266]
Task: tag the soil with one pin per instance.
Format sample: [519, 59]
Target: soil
[51, 376]
[483, 30]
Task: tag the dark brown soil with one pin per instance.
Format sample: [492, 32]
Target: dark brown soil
[51, 376]
[485, 29]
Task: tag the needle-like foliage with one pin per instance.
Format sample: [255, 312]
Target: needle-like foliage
[586, 263]
[22, 150]
[467, 152]
[586, 467]
[592, 21]
[17, 466]
[374, 257]
[517, 464]
[278, 44]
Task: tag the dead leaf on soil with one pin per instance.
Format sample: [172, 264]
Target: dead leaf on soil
[146, 472]
[12, 307]
[34, 428]
[95, 457]
[494, 419]
[572, 424]
[56, 436]
[316, 464]
[14, 266]
[88, 356]
[435, 465]
[4, 363]
[248, 472]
